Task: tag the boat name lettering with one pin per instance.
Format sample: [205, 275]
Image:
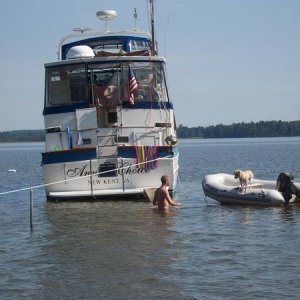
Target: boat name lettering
[126, 169]
[80, 172]
[129, 169]
[108, 181]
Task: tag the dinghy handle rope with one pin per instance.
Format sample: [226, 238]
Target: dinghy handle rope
[77, 178]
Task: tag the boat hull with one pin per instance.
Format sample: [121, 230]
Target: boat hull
[225, 189]
[84, 179]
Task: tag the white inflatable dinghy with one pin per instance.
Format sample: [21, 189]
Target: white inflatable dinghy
[226, 189]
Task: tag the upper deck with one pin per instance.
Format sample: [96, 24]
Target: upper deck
[112, 44]
[87, 44]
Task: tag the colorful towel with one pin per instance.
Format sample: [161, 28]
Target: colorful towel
[146, 157]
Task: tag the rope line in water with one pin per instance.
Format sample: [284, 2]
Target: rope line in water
[77, 178]
[181, 185]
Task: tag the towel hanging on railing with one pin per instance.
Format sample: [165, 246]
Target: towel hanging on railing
[146, 157]
[70, 139]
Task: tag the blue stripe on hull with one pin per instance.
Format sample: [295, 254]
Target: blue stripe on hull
[136, 105]
[68, 155]
[79, 154]
[148, 105]
[64, 108]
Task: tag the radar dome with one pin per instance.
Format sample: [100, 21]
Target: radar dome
[106, 15]
[82, 51]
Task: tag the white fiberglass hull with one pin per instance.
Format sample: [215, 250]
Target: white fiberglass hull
[225, 189]
[82, 179]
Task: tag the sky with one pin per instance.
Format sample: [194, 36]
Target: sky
[228, 61]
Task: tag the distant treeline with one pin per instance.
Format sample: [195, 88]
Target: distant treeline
[242, 130]
[22, 136]
[236, 130]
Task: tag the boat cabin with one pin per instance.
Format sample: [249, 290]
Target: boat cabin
[97, 72]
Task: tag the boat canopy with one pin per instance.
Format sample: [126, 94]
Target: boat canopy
[111, 44]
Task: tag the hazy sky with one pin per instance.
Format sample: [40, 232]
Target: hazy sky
[228, 60]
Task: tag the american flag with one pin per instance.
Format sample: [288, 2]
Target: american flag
[133, 85]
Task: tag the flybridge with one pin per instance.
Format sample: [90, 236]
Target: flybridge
[112, 45]
[134, 42]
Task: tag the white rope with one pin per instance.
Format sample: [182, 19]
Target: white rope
[77, 178]
[181, 185]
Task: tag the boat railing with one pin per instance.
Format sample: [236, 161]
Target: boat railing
[108, 142]
[83, 33]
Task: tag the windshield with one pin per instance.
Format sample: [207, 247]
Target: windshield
[66, 85]
[105, 84]
[150, 81]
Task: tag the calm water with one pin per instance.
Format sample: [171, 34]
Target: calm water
[126, 250]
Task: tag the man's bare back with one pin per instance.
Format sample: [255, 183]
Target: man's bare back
[162, 197]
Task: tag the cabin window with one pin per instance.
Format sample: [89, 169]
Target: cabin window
[122, 139]
[66, 85]
[110, 46]
[139, 45]
[86, 141]
[150, 79]
[104, 84]
[108, 83]
[112, 117]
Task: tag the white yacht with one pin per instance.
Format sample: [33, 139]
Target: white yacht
[110, 128]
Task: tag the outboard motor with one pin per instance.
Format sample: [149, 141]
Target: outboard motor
[286, 186]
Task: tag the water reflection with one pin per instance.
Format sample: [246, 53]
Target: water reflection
[245, 216]
[290, 212]
[108, 248]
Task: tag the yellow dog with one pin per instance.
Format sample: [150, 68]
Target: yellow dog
[244, 177]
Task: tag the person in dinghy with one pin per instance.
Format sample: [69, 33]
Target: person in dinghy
[162, 197]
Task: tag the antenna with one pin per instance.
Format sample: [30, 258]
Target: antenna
[154, 50]
[106, 15]
[135, 18]
[81, 29]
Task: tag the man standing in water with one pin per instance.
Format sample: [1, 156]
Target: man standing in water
[161, 197]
